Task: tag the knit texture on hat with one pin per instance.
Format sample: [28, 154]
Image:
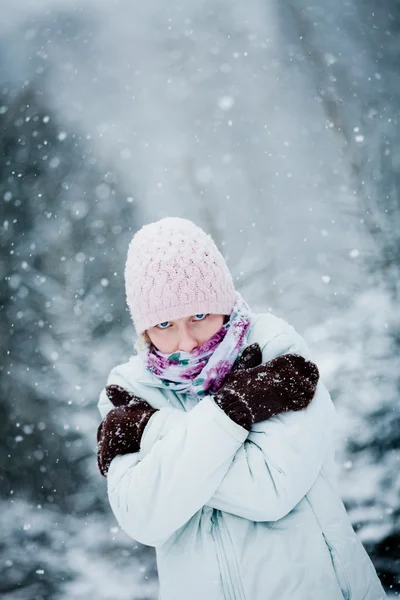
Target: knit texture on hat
[174, 270]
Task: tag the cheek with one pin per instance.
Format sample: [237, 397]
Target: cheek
[165, 347]
[163, 341]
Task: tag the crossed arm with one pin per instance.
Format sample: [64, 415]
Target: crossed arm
[188, 460]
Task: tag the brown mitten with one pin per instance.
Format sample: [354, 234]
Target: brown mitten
[257, 393]
[232, 405]
[119, 396]
[121, 430]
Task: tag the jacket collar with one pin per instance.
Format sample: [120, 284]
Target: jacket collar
[144, 376]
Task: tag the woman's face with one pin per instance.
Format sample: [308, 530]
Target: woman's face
[184, 334]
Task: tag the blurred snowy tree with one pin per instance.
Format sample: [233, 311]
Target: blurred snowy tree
[379, 167]
[354, 66]
[283, 130]
[64, 227]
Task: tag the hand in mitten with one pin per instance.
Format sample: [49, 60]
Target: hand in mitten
[121, 430]
[254, 394]
[119, 396]
[233, 406]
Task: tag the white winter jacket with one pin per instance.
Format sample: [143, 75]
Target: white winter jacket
[236, 515]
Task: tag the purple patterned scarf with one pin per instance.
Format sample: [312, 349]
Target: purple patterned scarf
[202, 371]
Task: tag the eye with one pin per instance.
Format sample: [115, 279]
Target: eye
[200, 316]
[163, 325]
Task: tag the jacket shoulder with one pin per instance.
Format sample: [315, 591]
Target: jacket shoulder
[276, 337]
[271, 324]
[125, 375]
[127, 372]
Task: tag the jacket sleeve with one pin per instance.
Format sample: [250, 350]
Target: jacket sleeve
[155, 494]
[282, 457]
[278, 464]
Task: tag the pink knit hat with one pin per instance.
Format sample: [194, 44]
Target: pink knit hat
[175, 270]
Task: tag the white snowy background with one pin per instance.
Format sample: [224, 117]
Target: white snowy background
[274, 125]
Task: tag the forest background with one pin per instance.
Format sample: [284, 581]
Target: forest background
[274, 126]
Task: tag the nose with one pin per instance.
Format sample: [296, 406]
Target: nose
[186, 341]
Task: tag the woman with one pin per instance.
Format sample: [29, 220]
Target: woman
[216, 438]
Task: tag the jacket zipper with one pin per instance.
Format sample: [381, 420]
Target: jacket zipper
[340, 574]
[229, 568]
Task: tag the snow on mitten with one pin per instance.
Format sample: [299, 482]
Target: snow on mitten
[121, 430]
[119, 396]
[282, 384]
[233, 405]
